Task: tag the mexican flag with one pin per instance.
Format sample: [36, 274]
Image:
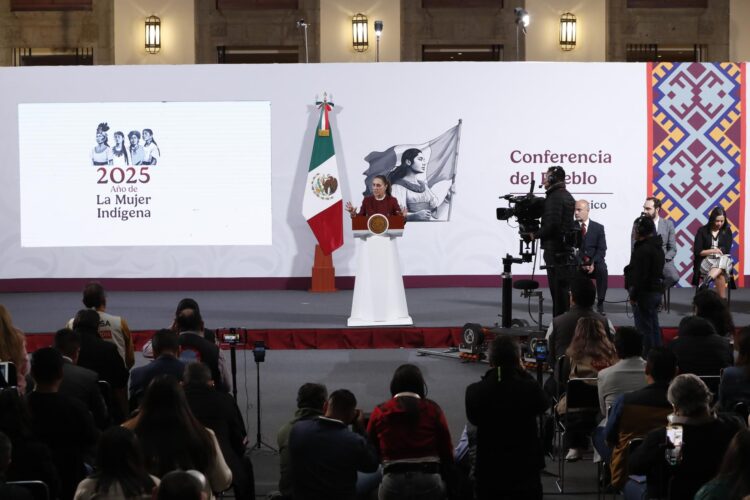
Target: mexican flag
[322, 206]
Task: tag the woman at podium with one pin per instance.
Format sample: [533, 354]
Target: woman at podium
[379, 202]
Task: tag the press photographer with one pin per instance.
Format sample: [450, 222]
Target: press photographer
[557, 224]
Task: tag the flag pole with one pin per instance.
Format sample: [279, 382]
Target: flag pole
[455, 162]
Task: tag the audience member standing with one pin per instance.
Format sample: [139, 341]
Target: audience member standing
[62, 423]
[326, 455]
[111, 328]
[172, 438]
[120, 471]
[219, 412]
[643, 280]
[504, 406]
[166, 349]
[311, 399]
[102, 357]
[78, 382]
[412, 438]
[705, 438]
[635, 414]
[13, 348]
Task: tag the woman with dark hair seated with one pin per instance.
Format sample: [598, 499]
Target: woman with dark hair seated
[120, 472]
[712, 262]
[735, 380]
[172, 438]
[412, 438]
[733, 480]
[504, 406]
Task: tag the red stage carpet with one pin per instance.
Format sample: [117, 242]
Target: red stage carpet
[331, 338]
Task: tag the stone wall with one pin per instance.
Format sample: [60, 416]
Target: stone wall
[668, 27]
[254, 27]
[58, 30]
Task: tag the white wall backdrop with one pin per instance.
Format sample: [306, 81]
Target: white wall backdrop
[512, 114]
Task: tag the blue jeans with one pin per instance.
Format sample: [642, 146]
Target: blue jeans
[646, 315]
[599, 440]
[412, 486]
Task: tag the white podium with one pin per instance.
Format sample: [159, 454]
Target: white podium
[379, 298]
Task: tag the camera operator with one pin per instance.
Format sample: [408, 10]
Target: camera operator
[643, 280]
[557, 222]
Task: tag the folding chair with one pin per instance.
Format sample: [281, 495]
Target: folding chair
[38, 489]
[582, 397]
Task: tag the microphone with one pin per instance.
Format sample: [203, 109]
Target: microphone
[533, 185]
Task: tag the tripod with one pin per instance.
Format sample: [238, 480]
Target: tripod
[259, 353]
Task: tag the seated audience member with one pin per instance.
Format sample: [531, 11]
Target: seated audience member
[103, 358]
[111, 328]
[700, 350]
[562, 328]
[326, 455]
[166, 350]
[120, 471]
[219, 412]
[733, 479]
[589, 352]
[189, 326]
[707, 304]
[412, 438]
[62, 423]
[504, 407]
[172, 438]
[78, 382]
[311, 400]
[625, 375]
[735, 380]
[634, 414]
[13, 348]
[31, 460]
[182, 485]
[186, 303]
[705, 439]
[712, 260]
[9, 491]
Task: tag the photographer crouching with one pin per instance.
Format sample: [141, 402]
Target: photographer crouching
[557, 222]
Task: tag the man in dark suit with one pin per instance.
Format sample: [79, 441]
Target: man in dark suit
[166, 349]
[593, 250]
[78, 382]
[103, 358]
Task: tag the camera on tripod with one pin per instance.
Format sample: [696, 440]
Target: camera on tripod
[527, 209]
[234, 336]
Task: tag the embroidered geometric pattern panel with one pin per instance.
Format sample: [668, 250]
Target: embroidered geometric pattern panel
[696, 149]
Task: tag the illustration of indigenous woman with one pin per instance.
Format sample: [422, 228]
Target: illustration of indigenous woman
[150, 148]
[101, 154]
[409, 186]
[120, 151]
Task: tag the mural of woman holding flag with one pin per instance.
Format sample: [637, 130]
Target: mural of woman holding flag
[422, 176]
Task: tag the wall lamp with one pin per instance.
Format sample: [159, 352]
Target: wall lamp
[153, 34]
[359, 32]
[568, 31]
